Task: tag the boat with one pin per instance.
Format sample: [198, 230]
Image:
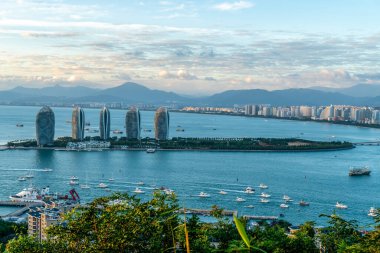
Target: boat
[238, 199]
[19, 125]
[140, 183]
[303, 203]
[21, 178]
[29, 175]
[203, 195]
[150, 150]
[102, 185]
[264, 200]
[264, 195]
[47, 170]
[74, 178]
[373, 212]
[180, 130]
[138, 191]
[30, 194]
[85, 186]
[168, 191]
[117, 131]
[284, 206]
[359, 171]
[249, 190]
[87, 123]
[263, 186]
[340, 205]
[250, 206]
[73, 182]
[223, 192]
[286, 198]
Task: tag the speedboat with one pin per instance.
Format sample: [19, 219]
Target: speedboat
[284, 206]
[85, 186]
[249, 190]
[264, 195]
[102, 185]
[73, 182]
[303, 203]
[74, 178]
[203, 195]
[263, 186]
[21, 179]
[341, 206]
[264, 200]
[223, 192]
[238, 199]
[373, 212]
[138, 191]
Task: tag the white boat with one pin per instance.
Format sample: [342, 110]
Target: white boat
[138, 191]
[30, 194]
[238, 199]
[85, 186]
[223, 192]
[264, 200]
[29, 175]
[203, 195]
[140, 183]
[284, 206]
[373, 212]
[21, 179]
[263, 186]
[73, 182]
[102, 185]
[47, 170]
[264, 195]
[286, 198]
[341, 206]
[169, 191]
[74, 178]
[151, 150]
[111, 179]
[250, 206]
[249, 190]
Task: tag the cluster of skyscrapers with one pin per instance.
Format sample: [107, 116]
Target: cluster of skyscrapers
[45, 124]
[363, 115]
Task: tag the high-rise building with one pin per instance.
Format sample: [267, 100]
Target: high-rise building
[45, 126]
[105, 123]
[78, 123]
[161, 124]
[132, 123]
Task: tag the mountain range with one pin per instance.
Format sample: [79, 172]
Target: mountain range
[133, 93]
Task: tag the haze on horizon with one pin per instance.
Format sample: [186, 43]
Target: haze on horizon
[190, 47]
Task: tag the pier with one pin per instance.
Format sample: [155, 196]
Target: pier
[207, 212]
[24, 207]
[258, 217]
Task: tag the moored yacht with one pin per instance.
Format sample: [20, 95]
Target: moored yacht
[284, 206]
[264, 200]
[264, 195]
[373, 212]
[138, 191]
[102, 185]
[73, 182]
[263, 186]
[340, 205]
[223, 192]
[286, 198]
[203, 195]
[238, 199]
[150, 150]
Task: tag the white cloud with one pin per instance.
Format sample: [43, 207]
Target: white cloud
[232, 6]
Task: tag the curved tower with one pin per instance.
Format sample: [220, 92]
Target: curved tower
[132, 123]
[45, 125]
[105, 123]
[78, 122]
[161, 124]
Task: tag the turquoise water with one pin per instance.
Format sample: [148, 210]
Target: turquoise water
[319, 177]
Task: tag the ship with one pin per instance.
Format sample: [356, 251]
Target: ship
[34, 195]
[359, 171]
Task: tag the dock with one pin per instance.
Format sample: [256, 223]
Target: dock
[260, 217]
[206, 212]
[24, 207]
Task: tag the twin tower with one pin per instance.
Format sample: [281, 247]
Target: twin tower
[45, 124]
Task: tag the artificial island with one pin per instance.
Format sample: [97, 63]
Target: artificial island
[45, 129]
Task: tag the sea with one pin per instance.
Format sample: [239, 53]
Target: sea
[320, 178]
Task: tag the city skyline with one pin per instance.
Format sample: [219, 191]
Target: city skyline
[189, 47]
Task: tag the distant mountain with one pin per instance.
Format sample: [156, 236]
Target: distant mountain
[54, 91]
[358, 90]
[281, 97]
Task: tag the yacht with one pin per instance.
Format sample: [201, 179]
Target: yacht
[21, 179]
[151, 150]
[29, 175]
[263, 186]
[102, 185]
[303, 203]
[138, 191]
[30, 194]
[373, 212]
[223, 192]
[73, 182]
[249, 190]
[204, 195]
[168, 191]
[264, 200]
[238, 199]
[341, 206]
[264, 195]
[74, 178]
[286, 198]
[85, 186]
[284, 206]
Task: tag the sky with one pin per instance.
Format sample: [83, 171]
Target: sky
[190, 47]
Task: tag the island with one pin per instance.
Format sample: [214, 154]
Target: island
[181, 143]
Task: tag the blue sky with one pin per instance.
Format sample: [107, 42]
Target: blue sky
[190, 47]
